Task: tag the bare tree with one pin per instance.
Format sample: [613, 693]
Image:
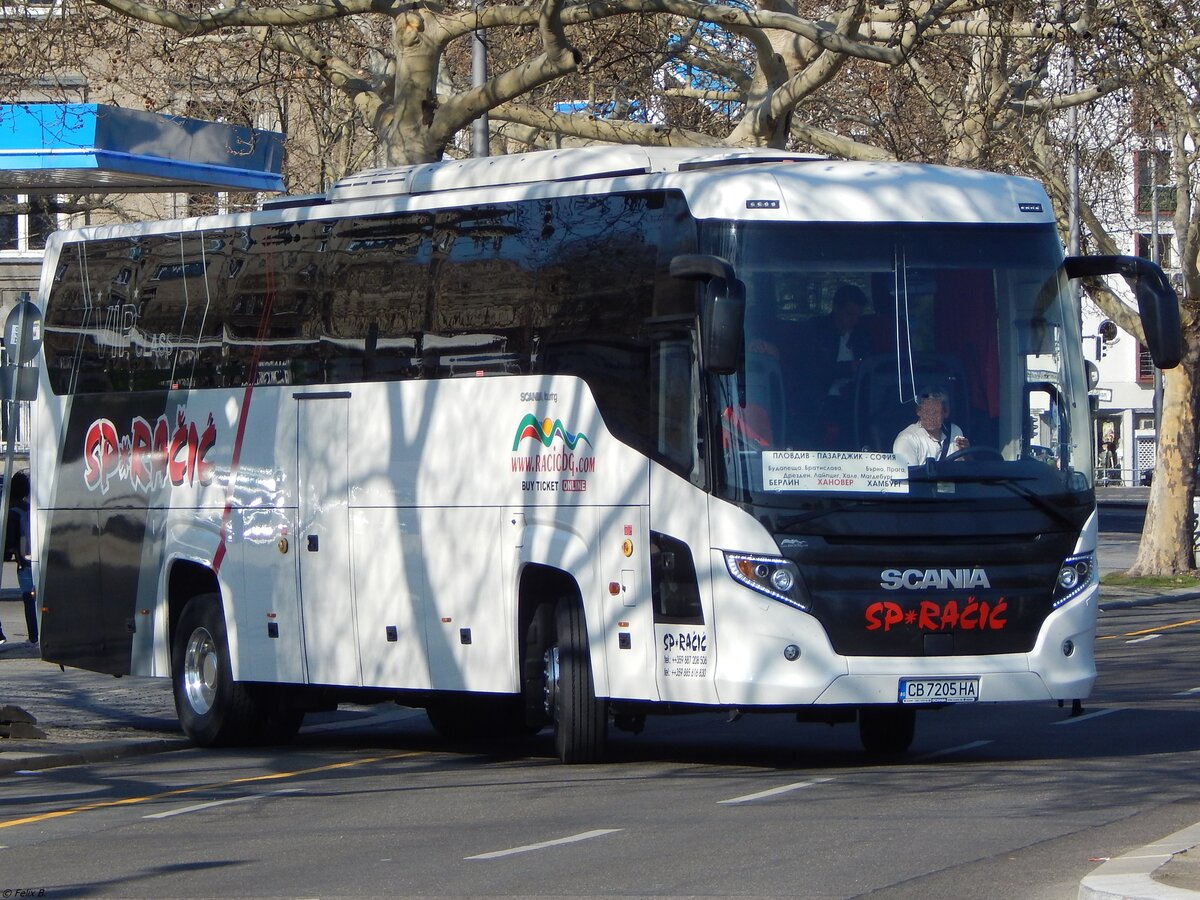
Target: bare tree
[1152, 46]
[985, 83]
[706, 73]
[996, 92]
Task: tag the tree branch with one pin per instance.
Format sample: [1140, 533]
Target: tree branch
[707, 96]
[235, 16]
[557, 59]
[820, 71]
[332, 68]
[604, 130]
[837, 145]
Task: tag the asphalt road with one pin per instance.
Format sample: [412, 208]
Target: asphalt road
[994, 801]
[1120, 530]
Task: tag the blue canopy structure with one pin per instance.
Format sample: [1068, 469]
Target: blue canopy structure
[57, 147]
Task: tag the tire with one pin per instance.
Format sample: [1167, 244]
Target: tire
[539, 637]
[580, 719]
[886, 730]
[214, 710]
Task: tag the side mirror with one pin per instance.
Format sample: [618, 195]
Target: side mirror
[722, 309]
[1157, 303]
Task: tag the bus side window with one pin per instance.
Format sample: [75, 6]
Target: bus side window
[673, 371]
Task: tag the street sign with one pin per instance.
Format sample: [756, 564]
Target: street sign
[23, 333]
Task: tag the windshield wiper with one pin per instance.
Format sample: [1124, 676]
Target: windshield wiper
[785, 524]
[928, 476]
[1012, 482]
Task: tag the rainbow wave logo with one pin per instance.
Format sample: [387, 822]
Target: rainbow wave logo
[545, 431]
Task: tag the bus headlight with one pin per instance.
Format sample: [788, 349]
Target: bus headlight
[1077, 574]
[777, 578]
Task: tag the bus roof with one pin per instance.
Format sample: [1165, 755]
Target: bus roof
[770, 184]
[733, 184]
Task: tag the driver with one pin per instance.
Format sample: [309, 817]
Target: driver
[931, 436]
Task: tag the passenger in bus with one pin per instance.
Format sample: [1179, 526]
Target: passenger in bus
[837, 340]
[932, 436]
[832, 347]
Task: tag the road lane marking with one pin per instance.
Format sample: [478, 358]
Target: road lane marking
[963, 748]
[529, 848]
[182, 792]
[1154, 630]
[774, 792]
[202, 806]
[1092, 715]
[1142, 640]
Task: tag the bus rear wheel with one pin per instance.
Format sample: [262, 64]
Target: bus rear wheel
[886, 730]
[580, 718]
[213, 709]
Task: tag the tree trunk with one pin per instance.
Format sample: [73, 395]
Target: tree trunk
[404, 123]
[1166, 545]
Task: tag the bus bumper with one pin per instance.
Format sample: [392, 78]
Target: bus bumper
[1061, 666]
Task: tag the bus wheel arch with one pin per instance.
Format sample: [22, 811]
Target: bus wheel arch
[556, 665]
[185, 580]
[540, 588]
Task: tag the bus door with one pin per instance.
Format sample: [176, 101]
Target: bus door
[323, 529]
[684, 637]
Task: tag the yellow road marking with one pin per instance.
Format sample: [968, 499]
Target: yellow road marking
[179, 792]
[1110, 637]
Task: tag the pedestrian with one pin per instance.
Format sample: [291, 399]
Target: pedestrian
[17, 542]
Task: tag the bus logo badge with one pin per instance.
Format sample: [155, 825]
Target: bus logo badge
[150, 455]
[937, 579]
[545, 431]
[560, 468]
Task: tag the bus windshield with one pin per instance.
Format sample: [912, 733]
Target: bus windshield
[899, 361]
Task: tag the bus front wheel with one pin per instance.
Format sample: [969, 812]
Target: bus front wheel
[213, 709]
[580, 718]
[886, 730]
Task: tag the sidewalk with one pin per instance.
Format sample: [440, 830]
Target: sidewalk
[1168, 869]
[88, 717]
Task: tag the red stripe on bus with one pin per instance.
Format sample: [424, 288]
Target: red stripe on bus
[252, 376]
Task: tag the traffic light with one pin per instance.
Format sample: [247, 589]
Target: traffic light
[1106, 335]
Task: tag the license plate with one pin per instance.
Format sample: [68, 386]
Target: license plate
[939, 690]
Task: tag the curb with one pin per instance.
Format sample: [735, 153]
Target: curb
[16, 761]
[1128, 877]
[1128, 601]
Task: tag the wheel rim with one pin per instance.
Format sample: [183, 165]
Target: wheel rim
[200, 664]
[550, 670]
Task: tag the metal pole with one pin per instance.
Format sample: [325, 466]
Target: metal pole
[1158, 382]
[10, 403]
[480, 135]
[1073, 236]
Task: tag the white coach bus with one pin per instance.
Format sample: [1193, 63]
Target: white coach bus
[570, 438]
